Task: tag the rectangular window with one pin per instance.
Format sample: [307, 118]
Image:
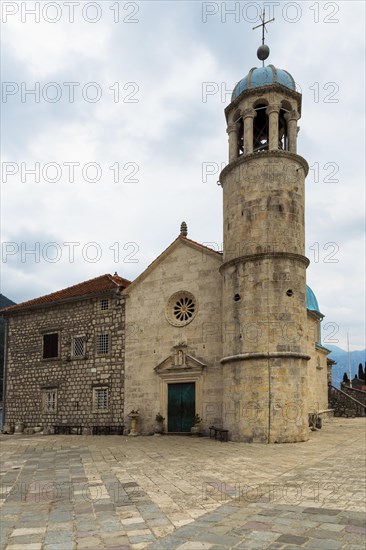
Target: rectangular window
[78, 346]
[50, 345]
[50, 400]
[103, 344]
[104, 304]
[100, 399]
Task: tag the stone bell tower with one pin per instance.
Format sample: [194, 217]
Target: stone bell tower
[264, 267]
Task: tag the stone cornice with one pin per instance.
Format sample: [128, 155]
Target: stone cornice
[261, 355]
[264, 155]
[265, 256]
[315, 315]
[264, 91]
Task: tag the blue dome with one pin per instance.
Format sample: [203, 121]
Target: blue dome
[264, 76]
[311, 301]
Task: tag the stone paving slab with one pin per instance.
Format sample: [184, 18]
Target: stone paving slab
[261, 534]
[119, 493]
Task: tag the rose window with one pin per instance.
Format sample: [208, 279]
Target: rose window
[181, 308]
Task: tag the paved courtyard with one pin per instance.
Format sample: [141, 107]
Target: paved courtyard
[114, 492]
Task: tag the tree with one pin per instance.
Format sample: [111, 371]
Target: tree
[361, 373]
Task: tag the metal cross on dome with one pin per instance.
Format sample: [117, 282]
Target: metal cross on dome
[263, 24]
[263, 50]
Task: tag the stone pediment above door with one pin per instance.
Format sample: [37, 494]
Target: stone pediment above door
[180, 362]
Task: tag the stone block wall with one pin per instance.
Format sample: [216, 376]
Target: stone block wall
[359, 395]
[74, 381]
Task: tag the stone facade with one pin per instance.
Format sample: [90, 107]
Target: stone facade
[83, 385]
[317, 371]
[159, 353]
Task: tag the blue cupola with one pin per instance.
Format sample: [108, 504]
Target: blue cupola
[263, 76]
[312, 302]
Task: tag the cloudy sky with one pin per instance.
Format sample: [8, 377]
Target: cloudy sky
[113, 132]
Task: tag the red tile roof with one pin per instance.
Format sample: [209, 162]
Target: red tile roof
[101, 284]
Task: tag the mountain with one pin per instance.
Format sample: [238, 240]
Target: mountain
[5, 302]
[341, 357]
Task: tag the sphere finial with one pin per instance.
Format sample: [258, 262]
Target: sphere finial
[263, 50]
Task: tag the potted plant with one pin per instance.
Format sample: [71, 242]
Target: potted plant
[195, 430]
[159, 426]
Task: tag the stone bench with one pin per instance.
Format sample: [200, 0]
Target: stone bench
[108, 430]
[218, 433]
[68, 429]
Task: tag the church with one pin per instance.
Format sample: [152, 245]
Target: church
[233, 337]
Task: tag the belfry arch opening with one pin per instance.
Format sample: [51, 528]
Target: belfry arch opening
[240, 124]
[260, 128]
[238, 120]
[283, 140]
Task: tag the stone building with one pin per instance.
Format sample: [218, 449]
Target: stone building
[65, 356]
[233, 336]
[174, 352]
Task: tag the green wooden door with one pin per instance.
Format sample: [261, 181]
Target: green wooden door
[181, 406]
